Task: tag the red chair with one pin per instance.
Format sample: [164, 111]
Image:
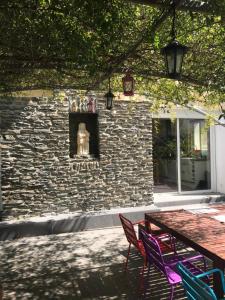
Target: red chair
[132, 239]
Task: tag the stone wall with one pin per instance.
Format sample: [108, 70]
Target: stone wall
[39, 177]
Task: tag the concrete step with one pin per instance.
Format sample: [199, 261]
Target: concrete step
[163, 200]
[80, 221]
[71, 222]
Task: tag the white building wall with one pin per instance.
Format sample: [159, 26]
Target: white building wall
[219, 138]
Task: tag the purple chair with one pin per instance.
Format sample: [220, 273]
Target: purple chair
[132, 238]
[167, 265]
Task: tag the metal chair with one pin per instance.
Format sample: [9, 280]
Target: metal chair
[167, 265]
[132, 239]
[195, 288]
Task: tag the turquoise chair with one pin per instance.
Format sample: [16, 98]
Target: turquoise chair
[195, 288]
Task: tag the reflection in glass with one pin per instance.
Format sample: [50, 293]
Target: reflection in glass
[164, 155]
[195, 155]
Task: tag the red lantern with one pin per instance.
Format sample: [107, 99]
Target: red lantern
[128, 85]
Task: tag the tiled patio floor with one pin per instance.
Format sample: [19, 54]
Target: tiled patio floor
[82, 265]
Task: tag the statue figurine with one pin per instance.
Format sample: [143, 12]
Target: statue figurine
[85, 105]
[82, 105]
[78, 104]
[91, 105]
[74, 107]
[82, 140]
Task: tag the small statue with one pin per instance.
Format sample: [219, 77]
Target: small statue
[78, 104]
[91, 105]
[82, 140]
[85, 108]
[82, 105]
[74, 107]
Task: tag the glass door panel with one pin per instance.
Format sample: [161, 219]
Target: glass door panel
[164, 155]
[194, 155]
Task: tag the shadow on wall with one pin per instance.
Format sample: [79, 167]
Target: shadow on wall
[31, 228]
[66, 224]
[10, 112]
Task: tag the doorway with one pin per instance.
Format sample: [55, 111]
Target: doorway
[181, 155]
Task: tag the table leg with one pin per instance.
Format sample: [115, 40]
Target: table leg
[217, 284]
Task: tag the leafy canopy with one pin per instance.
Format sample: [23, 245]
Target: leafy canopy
[79, 44]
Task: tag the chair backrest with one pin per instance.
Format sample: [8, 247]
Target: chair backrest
[129, 231]
[153, 251]
[195, 288]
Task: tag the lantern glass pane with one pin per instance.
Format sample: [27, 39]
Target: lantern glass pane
[179, 59]
[128, 86]
[170, 56]
[109, 103]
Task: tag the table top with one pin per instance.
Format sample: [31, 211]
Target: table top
[198, 230]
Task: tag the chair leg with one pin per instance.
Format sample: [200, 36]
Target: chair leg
[173, 244]
[171, 292]
[146, 279]
[205, 264]
[128, 253]
[141, 284]
[207, 278]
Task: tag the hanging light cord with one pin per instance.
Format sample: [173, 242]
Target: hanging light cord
[173, 30]
[109, 84]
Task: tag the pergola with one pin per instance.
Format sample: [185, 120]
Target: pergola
[50, 44]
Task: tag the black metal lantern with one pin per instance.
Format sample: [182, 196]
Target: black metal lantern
[109, 98]
[174, 53]
[128, 84]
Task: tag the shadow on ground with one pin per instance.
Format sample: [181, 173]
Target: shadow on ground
[83, 265]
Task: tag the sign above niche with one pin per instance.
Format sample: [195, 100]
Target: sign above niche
[83, 104]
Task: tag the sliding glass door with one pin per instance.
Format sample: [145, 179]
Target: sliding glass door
[194, 155]
[181, 155]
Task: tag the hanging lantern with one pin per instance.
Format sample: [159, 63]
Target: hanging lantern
[174, 52]
[109, 98]
[128, 85]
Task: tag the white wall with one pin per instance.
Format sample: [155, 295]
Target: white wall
[219, 139]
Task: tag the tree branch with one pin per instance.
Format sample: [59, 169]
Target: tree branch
[149, 31]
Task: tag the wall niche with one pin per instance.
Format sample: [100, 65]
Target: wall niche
[84, 135]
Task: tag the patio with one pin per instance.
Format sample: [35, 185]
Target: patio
[83, 265]
[69, 146]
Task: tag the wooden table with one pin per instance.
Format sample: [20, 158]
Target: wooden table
[199, 231]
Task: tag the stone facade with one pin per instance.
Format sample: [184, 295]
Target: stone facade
[39, 177]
